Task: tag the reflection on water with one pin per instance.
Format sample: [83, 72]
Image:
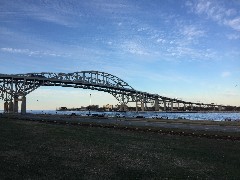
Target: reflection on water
[193, 116]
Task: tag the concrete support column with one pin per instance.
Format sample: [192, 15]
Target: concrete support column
[156, 105]
[136, 106]
[121, 107]
[24, 105]
[191, 106]
[6, 107]
[125, 107]
[219, 107]
[184, 106]
[10, 107]
[164, 105]
[15, 108]
[143, 100]
[171, 105]
[178, 106]
[142, 106]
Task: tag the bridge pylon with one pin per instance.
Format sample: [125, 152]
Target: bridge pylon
[15, 104]
[24, 105]
[6, 107]
[156, 104]
[123, 107]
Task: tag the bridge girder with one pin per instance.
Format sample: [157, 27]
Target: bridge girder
[19, 85]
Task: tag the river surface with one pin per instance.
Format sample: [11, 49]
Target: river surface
[192, 116]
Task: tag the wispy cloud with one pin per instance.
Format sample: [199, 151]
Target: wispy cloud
[56, 12]
[134, 48]
[190, 31]
[233, 36]
[226, 74]
[233, 23]
[216, 11]
[134, 35]
[31, 53]
[112, 7]
[192, 54]
[67, 13]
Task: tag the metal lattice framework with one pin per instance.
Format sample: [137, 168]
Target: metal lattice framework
[17, 86]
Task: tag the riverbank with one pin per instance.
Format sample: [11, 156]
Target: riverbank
[34, 150]
[203, 126]
[217, 116]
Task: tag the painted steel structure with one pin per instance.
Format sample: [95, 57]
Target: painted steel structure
[15, 88]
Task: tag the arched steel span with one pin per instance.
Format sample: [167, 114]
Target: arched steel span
[15, 87]
[23, 84]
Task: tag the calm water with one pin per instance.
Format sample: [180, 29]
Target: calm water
[192, 116]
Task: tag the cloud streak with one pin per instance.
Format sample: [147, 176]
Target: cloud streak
[226, 74]
[192, 32]
[233, 23]
[233, 36]
[216, 11]
[31, 53]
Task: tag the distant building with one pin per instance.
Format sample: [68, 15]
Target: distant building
[108, 107]
[63, 108]
[93, 107]
[83, 108]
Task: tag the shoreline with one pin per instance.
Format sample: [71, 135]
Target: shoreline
[193, 116]
[150, 111]
[208, 129]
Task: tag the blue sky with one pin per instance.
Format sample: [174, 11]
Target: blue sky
[187, 49]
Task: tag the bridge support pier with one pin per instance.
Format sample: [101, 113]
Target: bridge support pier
[192, 107]
[171, 105]
[219, 108]
[142, 106]
[15, 107]
[164, 105]
[123, 107]
[156, 105]
[6, 107]
[24, 105]
[10, 107]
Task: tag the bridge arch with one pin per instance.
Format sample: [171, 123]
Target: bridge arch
[95, 80]
[15, 86]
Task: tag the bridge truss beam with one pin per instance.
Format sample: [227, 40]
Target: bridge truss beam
[15, 88]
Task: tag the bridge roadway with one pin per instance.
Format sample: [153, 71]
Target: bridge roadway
[15, 88]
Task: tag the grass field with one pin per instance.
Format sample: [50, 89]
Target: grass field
[33, 150]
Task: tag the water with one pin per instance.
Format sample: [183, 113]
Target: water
[192, 116]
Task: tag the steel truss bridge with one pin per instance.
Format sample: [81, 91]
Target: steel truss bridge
[15, 88]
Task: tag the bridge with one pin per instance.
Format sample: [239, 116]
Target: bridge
[15, 87]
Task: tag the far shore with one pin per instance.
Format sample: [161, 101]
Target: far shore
[156, 111]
